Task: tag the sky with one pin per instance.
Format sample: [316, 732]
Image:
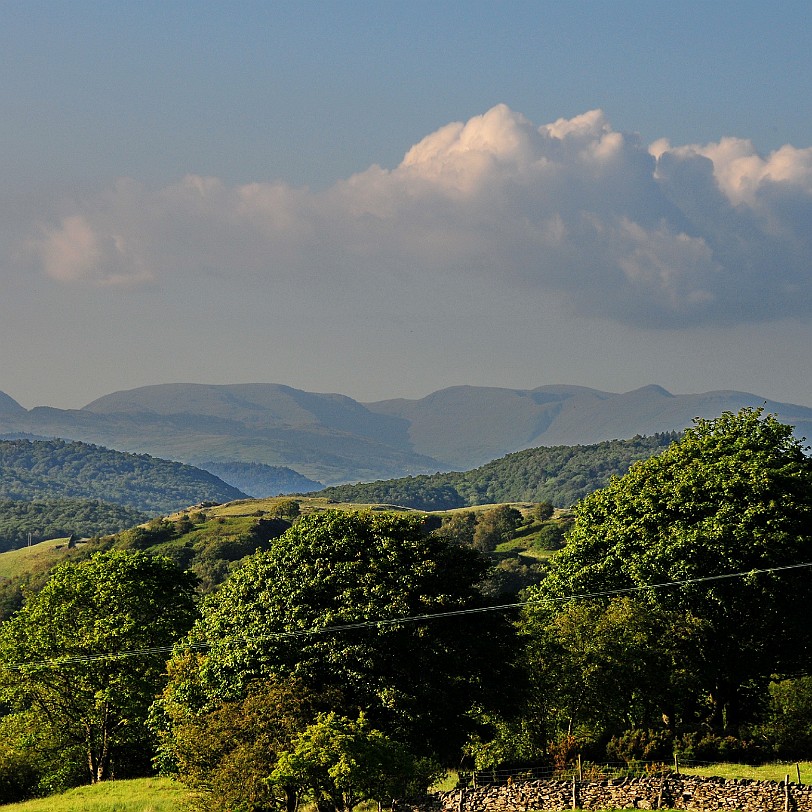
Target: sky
[383, 199]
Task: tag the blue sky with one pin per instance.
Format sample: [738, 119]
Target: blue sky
[218, 193]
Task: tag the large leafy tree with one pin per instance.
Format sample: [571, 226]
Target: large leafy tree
[733, 495]
[76, 657]
[281, 615]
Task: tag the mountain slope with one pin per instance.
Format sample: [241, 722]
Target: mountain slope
[9, 406]
[466, 426]
[327, 438]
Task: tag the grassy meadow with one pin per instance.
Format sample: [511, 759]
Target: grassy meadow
[764, 772]
[35, 558]
[137, 795]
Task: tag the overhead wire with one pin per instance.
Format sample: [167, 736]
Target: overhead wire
[396, 621]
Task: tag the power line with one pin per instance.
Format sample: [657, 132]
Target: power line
[382, 623]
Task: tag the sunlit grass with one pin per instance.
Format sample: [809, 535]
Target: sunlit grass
[137, 795]
[37, 557]
[764, 772]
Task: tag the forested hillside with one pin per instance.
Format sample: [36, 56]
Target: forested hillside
[560, 475]
[259, 480]
[58, 469]
[59, 518]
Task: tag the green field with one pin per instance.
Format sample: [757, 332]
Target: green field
[138, 795]
[765, 772]
[36, 558]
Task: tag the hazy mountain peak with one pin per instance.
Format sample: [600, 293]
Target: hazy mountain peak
[8, 405]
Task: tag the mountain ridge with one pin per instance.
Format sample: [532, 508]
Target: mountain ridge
[333, 439]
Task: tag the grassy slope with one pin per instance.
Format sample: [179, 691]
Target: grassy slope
[764, 772]
[35, 558]
[137, 795]
[39, 557]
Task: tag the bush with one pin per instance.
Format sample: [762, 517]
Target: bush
[711, 748]
[641, 745]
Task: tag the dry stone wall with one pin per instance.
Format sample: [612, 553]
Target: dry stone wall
[668, 792]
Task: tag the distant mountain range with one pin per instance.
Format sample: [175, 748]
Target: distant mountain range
[331, 438]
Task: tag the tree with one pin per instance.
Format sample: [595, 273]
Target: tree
[495, 526]
[788, 723]
[287, 509]
[285, 612]
[543, 511]
[458, 527]
[226, 755]
[342, 762]
[733, 495]
[66, 652]
[610, 666]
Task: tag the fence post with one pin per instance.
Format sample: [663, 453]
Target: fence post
[786, 793]
[574, 791]
[798, 770]
[676, 764]
[662, 787]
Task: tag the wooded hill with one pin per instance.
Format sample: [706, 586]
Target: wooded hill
[560, 475]
[42, 519]
[57, 469]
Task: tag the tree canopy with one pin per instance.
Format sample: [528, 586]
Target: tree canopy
[734, 495]
[333, 602]
[61, 469]
[65, 653]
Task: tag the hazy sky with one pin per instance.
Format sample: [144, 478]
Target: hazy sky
[382, 199]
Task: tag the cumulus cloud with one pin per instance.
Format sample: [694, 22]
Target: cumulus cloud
[652, 235]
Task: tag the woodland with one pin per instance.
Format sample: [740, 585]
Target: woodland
[273, 656]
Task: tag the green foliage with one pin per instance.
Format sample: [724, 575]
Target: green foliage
[495, 526]
[339, 762]
[62, 653]
[459, 528]
[551, 535]
[288, 509]
[787, 725]
[602, 668]
[543, 511]
[560, 475]
[59, 469]
[416, 681]
[733, 495]
[519, 741]
[226, 755]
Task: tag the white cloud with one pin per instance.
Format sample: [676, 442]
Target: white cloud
[659, 235]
